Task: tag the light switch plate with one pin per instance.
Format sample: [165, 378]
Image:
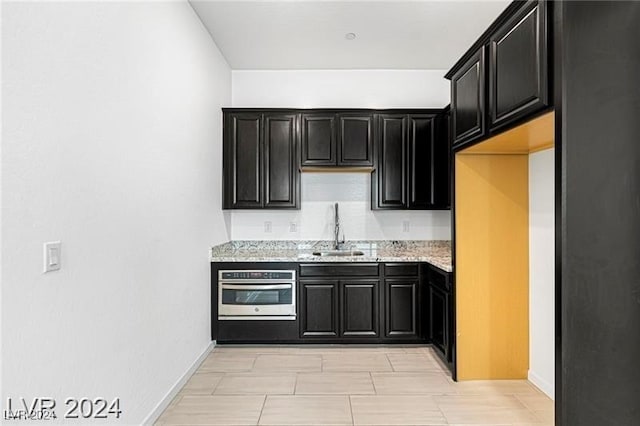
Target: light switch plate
[293, 227]
[52, 256]
[267, 227]
[406, 226]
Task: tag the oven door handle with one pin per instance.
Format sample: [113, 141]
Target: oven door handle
[256, 287]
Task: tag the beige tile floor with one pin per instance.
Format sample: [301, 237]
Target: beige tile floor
[346, 385]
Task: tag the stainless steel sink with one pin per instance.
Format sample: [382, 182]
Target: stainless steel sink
[338, 253]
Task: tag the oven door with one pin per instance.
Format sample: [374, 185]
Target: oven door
[254, 301]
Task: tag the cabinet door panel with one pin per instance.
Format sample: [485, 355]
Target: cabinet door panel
[401, 319]
[359, 310]
[280, 160]
[319, 308]
[422, 161]
[467, 99]
[439, 315]
[243, 161]
[518, 68]
[318, 140]
[441, 197]
[392, 161]
[355, 140]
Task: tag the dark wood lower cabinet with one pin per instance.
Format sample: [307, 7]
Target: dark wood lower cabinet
[359, 308]
[439, 313]
[442, 314]
[338, 302]
[345, 308]
[401, 307]
[318, 308]
[370, 307]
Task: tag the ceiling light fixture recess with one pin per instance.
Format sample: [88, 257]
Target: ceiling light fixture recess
[350, 36]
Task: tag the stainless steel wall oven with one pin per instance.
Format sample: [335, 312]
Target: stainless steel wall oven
[256, 295]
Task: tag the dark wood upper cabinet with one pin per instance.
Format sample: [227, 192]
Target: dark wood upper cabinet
[355, 139]
[503, 79]
[318, 139]
[421, 154]
[518, 65]
[260, 165]
[401, 307]
[392, 161]
[319, 308]
[242, 164]
[468, 99]
[337, 139]
[359, 308]
[441, 165]
[265, 151]
[281, 176]
[412, 170]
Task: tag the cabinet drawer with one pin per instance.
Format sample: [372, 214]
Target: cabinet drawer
[439, 279]
[339, 270]
[401, 269]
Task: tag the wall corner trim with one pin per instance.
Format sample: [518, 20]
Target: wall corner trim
[546, 387]
[182, 380]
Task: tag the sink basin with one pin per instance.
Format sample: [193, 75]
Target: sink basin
[338, 253]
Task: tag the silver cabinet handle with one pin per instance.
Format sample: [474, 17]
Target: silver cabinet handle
[256, 287]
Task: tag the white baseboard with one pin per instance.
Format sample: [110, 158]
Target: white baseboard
[542, 384]
[166, 400]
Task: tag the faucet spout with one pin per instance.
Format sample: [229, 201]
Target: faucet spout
[336, 230]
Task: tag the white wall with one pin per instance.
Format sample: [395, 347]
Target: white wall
[343, 89]
[541, 271]
[111, 143]
[314, 221]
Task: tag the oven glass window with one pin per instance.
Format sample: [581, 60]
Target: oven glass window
[257, 297]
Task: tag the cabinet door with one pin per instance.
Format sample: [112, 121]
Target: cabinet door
[281, 175]
[518, 66]
[355, 140]
[439, 316]
[401, 308]
[318, 308]
[467, 99]
[441, 195]
[391, 170]
[421, 161]
[242, 161]
[318, 136]
[359, 308]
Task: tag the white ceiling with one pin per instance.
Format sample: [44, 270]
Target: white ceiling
[310, 34]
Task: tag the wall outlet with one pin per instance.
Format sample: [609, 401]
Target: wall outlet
[293, 227]
[406, 226]
[267, 226]
[52, 256]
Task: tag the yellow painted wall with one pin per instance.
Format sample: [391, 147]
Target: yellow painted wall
[492, 261]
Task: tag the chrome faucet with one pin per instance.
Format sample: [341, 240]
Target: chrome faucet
[336, 230]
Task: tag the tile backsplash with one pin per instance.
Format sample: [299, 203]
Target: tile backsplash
[315, 218]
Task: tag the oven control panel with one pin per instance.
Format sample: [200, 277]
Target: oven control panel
[257, 275]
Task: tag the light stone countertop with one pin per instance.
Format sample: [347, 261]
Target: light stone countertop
[435, 252]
